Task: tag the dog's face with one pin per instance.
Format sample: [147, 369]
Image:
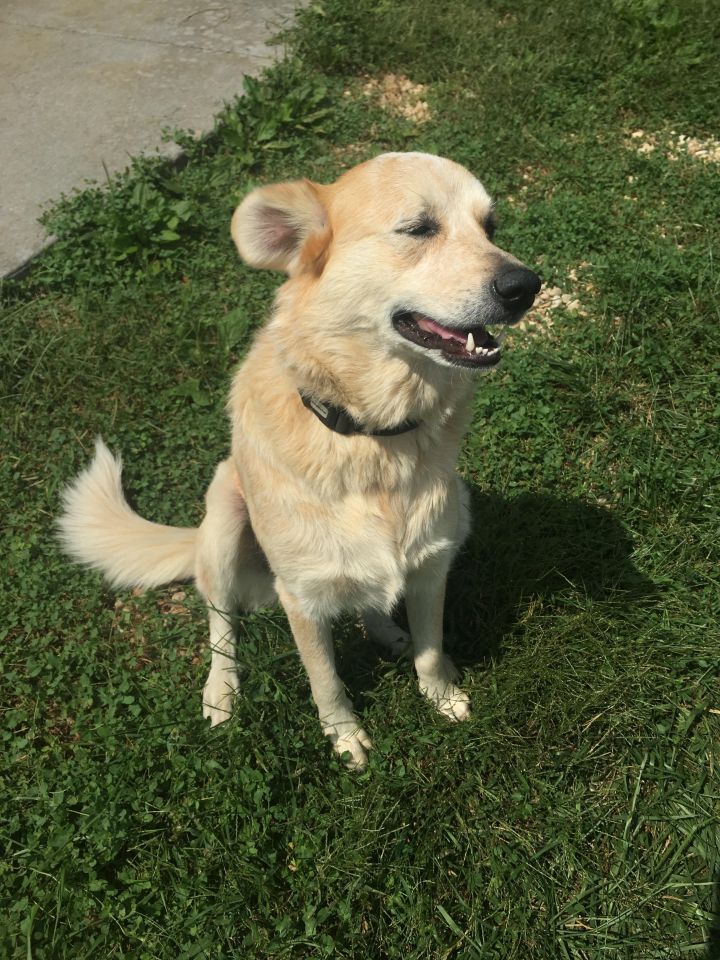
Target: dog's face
[401, 249]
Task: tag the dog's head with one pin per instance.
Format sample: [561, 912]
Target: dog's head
[399, 248]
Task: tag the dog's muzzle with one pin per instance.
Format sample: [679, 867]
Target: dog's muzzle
[506, 298]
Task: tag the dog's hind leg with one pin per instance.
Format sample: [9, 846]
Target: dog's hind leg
[230, 572]
[315, 645]
[383, 630]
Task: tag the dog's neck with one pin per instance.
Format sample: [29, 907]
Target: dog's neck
[377, 390]
[338, 419]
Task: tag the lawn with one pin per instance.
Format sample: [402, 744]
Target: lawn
[576, 814]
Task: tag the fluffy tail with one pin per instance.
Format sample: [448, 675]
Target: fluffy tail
[99, 528]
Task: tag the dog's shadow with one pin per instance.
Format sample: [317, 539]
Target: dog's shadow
[536, 546]
[523, 548]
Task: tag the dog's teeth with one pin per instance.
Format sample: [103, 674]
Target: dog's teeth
[470, 345]
[486, 351]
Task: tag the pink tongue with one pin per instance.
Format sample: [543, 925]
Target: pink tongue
[425, 323]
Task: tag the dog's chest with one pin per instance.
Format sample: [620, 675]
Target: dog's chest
[358, 552]
[418, 524]
[345, 533]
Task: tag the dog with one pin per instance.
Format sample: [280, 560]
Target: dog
[340, 493]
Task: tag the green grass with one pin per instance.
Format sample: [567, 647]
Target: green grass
[576, 815]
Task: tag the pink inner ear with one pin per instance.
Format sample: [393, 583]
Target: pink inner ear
[276, 231]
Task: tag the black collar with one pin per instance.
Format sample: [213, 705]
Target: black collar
[340, 421]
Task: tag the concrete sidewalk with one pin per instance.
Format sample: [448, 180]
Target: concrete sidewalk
[85, 84]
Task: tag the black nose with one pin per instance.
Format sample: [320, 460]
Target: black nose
[517, 287]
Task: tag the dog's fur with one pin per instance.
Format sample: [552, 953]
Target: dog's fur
[328, 523]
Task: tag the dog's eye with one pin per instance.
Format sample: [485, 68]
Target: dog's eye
[490, 225]
[425, 227]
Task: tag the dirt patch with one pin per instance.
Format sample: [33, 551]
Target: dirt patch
[174, 605]
[675, 145]
[706, 150]
[578, 290]
[573, 297]
[397, 94]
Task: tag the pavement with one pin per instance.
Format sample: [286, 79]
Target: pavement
[86, 84]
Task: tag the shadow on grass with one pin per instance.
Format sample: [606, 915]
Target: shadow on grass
[537, 547]
[713, 941]
[564, 553]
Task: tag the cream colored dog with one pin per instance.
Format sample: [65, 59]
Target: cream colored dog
[347, 414]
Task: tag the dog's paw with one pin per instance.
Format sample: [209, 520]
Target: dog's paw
[383, 630]
[218, 695]
[448, 699]
[349, 738]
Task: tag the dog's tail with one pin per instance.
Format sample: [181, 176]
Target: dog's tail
[98, 528]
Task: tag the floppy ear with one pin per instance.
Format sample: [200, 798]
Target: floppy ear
[272, 223]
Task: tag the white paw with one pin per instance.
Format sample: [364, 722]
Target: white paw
[349, 737]
[448, 699]
[449, 671]
[219, 693]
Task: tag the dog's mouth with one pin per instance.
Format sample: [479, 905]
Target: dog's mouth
[470, 347]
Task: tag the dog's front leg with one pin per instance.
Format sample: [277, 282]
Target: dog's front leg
[315, 645]
[424, 601]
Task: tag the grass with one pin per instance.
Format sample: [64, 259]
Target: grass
[576, 815]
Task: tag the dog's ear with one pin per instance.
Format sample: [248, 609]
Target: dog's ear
[272, 224]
